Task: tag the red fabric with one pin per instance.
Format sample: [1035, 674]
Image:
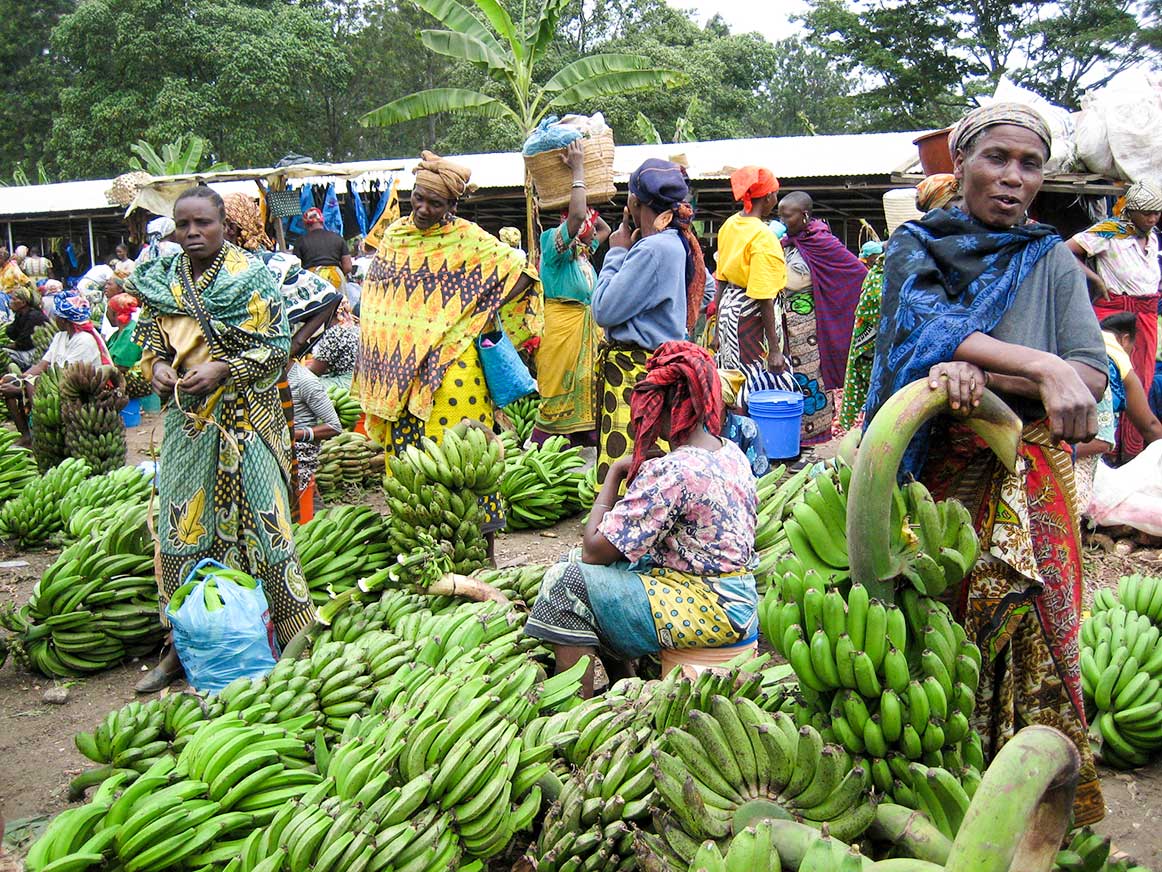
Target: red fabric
[1143, 356]
[307, 503]
[314, 215]
[121, 308]
[751, 183]
[87, 327]
[684, 375]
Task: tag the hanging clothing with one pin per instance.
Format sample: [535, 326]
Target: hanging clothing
[225, 467]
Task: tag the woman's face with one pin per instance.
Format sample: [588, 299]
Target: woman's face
[635, 210]
[428, 209]
[62, 324]
[200, 230]
[122, 252]
[793, 216]
[1000, 174]
[17, 305]
[1144, 221]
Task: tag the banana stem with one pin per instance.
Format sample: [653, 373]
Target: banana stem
[1020, 813]
[910, 832]
[453, 584]
[877, 463]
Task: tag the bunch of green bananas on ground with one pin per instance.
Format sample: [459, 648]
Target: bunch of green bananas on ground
[776, 494]
[42, 338]
[426, 511]
[523, 415]
[1137, 593]
[339, 545]
[521, 583]
[88, 520]
[540, 485]
[48, 435]
[17, 466]
[94, 606]
[895, 683]
[946, 540]
[124, 486]
[1121, 679]
[587, 488]
[346, 405]
[91, 397]
[347, 462]
[34, 517]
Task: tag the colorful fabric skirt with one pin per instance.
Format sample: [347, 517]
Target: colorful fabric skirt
[1143, 357]
[566, 363]
[226, 498]
[462, 394]
[861, 356]
[1022, 602]
[621, 368]
[630, 611]
[741, 338]
[803, 350]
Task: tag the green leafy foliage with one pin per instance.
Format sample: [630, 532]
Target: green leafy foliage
[180, 157]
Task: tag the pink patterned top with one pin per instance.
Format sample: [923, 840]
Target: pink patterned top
[691, 510]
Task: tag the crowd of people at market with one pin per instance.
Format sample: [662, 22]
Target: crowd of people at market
[650, 360]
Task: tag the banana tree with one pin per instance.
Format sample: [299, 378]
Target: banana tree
[181, 157]
[507, 52]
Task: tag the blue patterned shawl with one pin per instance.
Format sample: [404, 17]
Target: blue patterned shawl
[945, 276]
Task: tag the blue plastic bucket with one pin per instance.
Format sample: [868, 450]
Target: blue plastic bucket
[131, 414]
[779, 416]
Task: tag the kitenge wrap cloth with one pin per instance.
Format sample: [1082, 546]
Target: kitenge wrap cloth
[225, 465]
[1022, 602]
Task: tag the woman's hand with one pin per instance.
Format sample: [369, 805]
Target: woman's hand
[574, 158]
[204, 378]
[1068, 403]
[619, 469]
[622, 237]
[164, 379]
[11, 386]
[966, 384]
[776, 362]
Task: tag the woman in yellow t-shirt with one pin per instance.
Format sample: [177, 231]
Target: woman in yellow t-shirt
[751, 277]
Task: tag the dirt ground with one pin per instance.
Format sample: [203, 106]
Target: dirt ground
[36, 739]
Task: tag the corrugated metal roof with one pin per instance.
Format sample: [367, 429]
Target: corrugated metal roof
[794, 157]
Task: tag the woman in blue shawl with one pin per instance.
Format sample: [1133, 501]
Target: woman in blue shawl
[978, 294]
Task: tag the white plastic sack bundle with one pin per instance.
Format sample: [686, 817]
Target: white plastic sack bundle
[1130, 494]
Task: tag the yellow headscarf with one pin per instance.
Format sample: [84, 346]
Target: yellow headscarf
[443, 177]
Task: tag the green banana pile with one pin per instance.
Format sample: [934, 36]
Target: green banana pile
[894, 683]
[48, 434]
[42, 338]
[540, 485]
[1089, 852]
[433, 495]
[94, 606]
[347, 462]
[91, 399]
[1121, 671]
[339, 545]
[17, 466]
[346, 406]
[776, 496]
[103, 500]
[523, 415]
[34, 517]
[519, 583]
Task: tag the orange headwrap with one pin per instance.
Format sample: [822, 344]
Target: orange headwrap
[751, 183]
[936, 191]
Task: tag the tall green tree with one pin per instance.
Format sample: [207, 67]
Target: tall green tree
[249, 75]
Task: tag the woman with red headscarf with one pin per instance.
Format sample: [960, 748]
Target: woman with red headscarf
[669, 564]
[751, 274]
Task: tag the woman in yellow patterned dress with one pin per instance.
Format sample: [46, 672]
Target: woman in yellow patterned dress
[214, 338]
[437, 283]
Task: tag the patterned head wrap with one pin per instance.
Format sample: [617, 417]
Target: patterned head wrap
[75, 309]
[510, 236]
[20, 253]
[51, 287]
[27, 294]
[1143, 197]
[243, 212]
[314, 215]
[936, 191]
[121, 308]
[751, 183]
[680, 378]
[160, 227]
[443, 177]
[871, 247]
[994, 114]
[662, 186]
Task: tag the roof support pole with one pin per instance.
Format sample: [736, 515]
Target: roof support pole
[92, 246]
[11, 247]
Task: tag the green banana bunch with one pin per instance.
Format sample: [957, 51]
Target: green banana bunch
[48, 438]
[346, 406]
[540, 485]
[34, 517]
[90, 397]
[523, 415]
[466, 459]
[338, 545]
[948, 546]
[17, 466]
[348, 463]
[521, 583]
[1138, 593]
[42, 338]
[1121, 678]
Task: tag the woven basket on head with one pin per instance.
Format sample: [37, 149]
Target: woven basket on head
[553, 180]
[126, 186]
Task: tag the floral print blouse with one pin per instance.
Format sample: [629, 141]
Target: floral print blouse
[691, 510]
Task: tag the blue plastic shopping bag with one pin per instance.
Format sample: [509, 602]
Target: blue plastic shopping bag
[221, 627]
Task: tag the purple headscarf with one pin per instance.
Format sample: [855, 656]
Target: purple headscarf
[836, 277]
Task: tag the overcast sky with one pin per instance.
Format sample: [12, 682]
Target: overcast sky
[768, 17]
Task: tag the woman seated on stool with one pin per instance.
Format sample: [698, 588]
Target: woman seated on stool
[669, 564]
